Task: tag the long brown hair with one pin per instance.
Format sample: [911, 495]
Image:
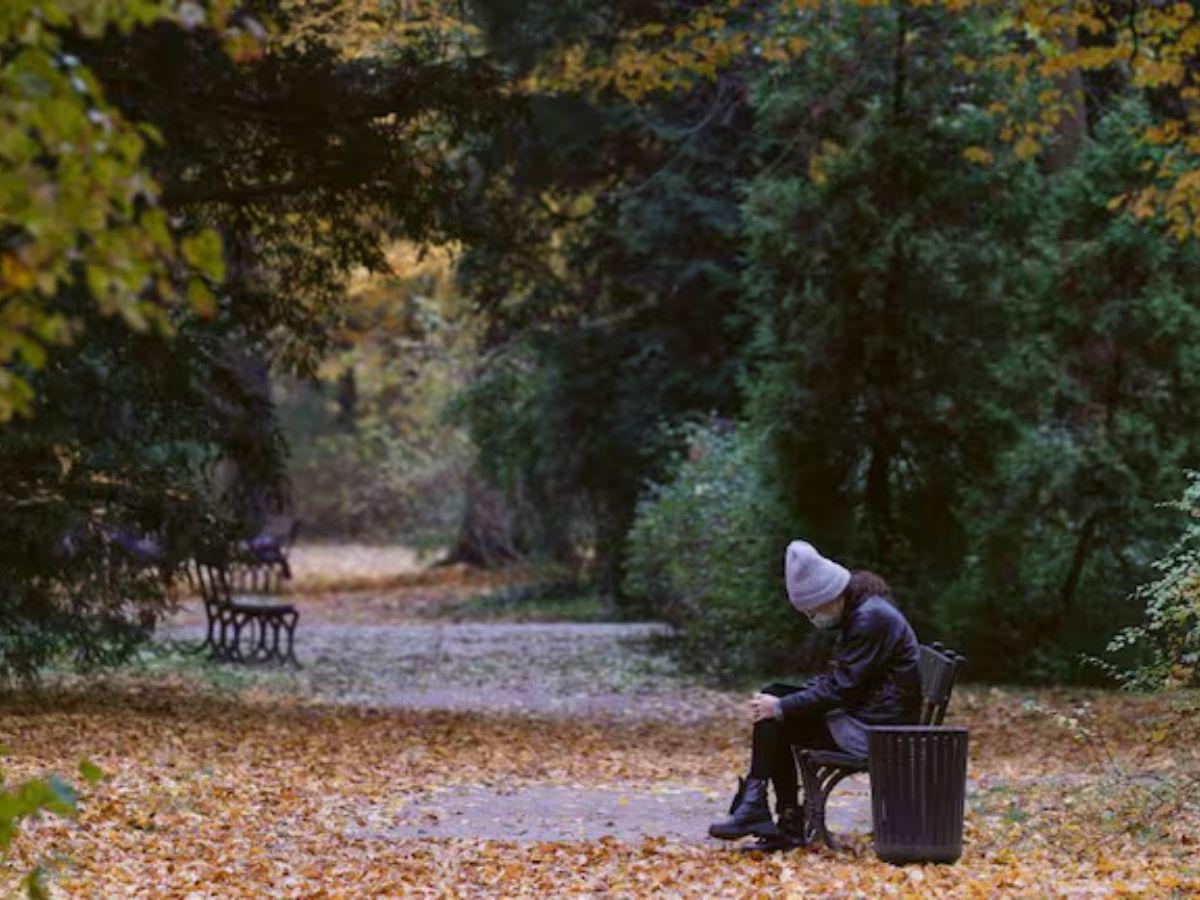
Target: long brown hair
[864, 584]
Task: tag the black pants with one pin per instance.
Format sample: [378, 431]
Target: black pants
[771, 752]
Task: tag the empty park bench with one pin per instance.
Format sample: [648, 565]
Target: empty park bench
[822, 770]
[261, 564]
[240, 629]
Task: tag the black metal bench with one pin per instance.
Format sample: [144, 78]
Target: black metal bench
[240, 630]
[822, 770]
[261, 565]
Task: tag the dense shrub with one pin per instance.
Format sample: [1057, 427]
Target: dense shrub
[132, 436]
[1166, 643]
[705, 554]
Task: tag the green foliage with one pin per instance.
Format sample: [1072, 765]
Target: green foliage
[78, 208]
[129, 433]
[1166, 643]
[302, 160]
[968, 371]
[705, 554]
[569, 424]
[970, 376]
[32, 798]
[609, 277]
[302, 156]
[374, 484]
[1095, 381]
[884, 271]
[133, 433]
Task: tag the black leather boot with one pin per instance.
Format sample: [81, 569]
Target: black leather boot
[790, 824]
[791, 821]
[749, 813]
[789, 831]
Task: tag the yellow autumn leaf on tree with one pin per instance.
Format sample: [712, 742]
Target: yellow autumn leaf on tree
[978, 155]
[1026, 147]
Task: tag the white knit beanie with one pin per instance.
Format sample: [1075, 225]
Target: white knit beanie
[811, 579]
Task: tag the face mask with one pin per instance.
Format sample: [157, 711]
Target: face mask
[825, 622]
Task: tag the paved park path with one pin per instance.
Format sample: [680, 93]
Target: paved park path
[389, 652]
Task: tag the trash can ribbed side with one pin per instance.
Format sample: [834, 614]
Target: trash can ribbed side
[918, 792]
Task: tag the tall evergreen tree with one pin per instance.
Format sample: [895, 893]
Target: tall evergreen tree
[1102, 383]
[612, 287]
[886, 272]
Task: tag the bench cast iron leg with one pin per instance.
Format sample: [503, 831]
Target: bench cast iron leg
[819, 782]
[289, 623]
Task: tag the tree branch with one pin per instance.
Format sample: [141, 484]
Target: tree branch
[244, 194]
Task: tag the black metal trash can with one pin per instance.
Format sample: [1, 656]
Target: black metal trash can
[918, 791]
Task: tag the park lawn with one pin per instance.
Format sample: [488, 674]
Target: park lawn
[262, 795]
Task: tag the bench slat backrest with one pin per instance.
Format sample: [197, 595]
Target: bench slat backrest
[213, 581]
[938, 667]
[249, 577]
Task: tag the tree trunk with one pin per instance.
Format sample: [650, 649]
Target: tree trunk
[347, 401]
[1083, 550]
[1071, 130]
[485, 536]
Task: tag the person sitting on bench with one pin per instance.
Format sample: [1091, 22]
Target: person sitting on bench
[872, 678]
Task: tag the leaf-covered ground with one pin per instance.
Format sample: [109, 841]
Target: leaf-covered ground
[427, 757]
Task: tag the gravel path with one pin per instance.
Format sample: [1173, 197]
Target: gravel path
[609, 670]
[551, 813]
[619, 672]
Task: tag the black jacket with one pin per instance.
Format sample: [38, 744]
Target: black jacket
[874, 673]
